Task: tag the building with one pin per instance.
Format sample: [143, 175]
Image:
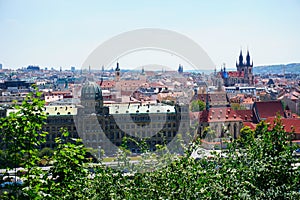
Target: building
[265, 109]
[104, 127]
[243, 75]
[290, 125]
[219, 120]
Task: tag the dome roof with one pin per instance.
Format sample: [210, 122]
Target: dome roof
[91, 91]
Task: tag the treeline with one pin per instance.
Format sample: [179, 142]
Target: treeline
[258, 165]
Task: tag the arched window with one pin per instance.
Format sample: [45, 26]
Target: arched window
[235, 131]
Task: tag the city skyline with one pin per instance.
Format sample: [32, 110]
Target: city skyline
[54, 34]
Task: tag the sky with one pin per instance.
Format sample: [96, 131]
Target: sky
[64, 33]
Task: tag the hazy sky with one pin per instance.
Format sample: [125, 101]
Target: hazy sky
[64, 32]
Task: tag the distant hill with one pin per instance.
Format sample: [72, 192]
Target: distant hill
[292, 68]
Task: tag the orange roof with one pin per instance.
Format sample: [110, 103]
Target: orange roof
[107, 84]
[222, 114]
[269, 109]
[246, 115]
[235, 74]
[251, 125]
[288, 123]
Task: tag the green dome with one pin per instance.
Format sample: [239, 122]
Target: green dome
[91, 91]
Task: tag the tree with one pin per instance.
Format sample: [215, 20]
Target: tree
[237, 106]
[259, 165]
[22, 135]
[197, 105]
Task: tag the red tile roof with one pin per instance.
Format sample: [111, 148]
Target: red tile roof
[235, 74]
[107, 84]
[288, 124]
[222, 114]
[251, 125]
[268, 109]
[246, 115]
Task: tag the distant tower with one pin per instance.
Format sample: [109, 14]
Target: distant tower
[143, 75]
[143, 70]
[180, 69]
[117, 72]
[89, 69]
[60, 69]
[246, 68]
[0, 66]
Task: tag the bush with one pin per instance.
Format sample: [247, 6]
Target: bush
[259, 165]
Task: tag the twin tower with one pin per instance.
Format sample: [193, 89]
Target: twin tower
[245, 68]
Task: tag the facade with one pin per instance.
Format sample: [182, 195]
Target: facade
[105, 127]
[221, 120]
[243, 75]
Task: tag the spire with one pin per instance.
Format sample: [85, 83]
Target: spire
[180, 68]
[241, 58]
[248, 58]
[117, 68]
[117, 72]
[143, 70]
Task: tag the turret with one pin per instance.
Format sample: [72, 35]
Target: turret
[248, 59]
[241, 59]
[117, 72]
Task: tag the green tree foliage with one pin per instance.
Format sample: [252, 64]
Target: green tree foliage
[46, 152]
[237, 106]
[197, 105]
[259, 165]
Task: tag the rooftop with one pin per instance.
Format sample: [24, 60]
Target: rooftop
[140, 109]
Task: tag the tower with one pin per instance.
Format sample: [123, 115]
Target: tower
[117, 72]
[249, 70]
[143, 75]
[180, 69]
[245, 67]
[240, 64]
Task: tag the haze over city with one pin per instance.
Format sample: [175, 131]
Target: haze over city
[64, 33]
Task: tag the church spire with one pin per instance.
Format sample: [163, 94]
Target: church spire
[117, 68]
[241, 58]
[248, 58]
[117, 72]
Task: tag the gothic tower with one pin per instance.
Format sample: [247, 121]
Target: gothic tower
[117, 72]
[245, 68]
